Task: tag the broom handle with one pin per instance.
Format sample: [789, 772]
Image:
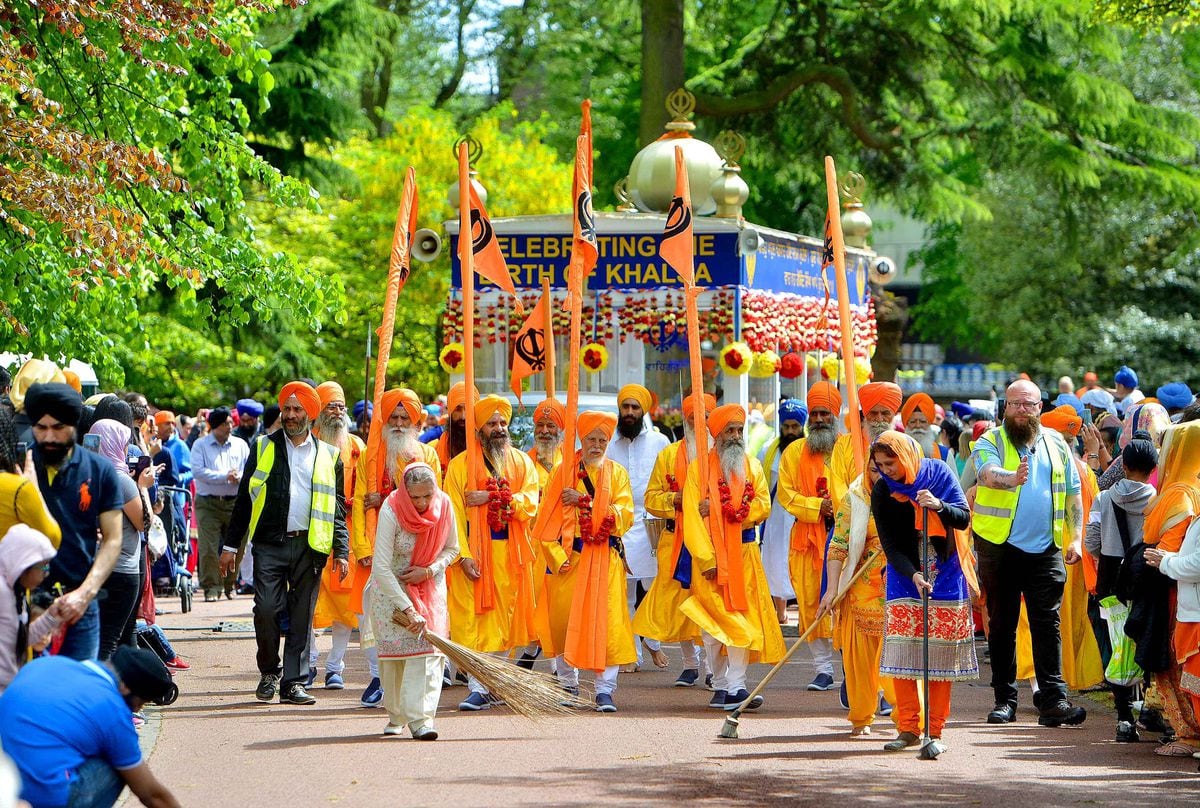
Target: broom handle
[762, 685]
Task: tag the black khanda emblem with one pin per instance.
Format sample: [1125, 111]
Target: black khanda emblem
[531, 347]
[482, 233]
[679, 218]
[587, 219]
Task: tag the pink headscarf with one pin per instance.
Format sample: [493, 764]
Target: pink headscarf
[114, 442]
[432, 529]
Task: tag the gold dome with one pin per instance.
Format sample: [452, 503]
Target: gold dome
[651, 182]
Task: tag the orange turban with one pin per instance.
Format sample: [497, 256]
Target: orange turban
[918, 401]
[1063, 419]
[488, 406]
[308, 398]
[163, 417]
[397, 396]
[638, 393]
[689, 405]
[553, 409]
[824, 395]
[330, 392]
[73, 379]
[874, 394]
[590, 420]
[458, 396]
[725, 415]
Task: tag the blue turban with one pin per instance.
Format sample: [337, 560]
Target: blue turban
[793, 409]
[434, 410]
[1071, 400]
[1175, 396]
[358, 409]
[963, 411]
[248, 406]
[1126, 377]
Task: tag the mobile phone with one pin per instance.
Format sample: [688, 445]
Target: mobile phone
[140, 465]
[22, 450]
[91, 442]
[1086, 415]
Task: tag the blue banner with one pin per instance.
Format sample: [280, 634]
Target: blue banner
[627, 261]
[783, 265]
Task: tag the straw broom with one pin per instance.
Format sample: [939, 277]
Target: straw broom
[531, 694]
[730, 727]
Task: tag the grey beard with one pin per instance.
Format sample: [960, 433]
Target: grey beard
[875, 429]
[331, 429]
[401, 444]
[733, 459]
[496, 449]
[546, 447]
[689, 435]
[821, 438]
[924, 437]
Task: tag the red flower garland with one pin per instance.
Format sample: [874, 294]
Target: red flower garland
[607, 525]
[740, 514]
[500, 507]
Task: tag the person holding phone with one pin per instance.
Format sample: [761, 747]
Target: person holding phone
[124, 586]
[21, 500]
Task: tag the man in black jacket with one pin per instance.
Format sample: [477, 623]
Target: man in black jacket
[290, 505]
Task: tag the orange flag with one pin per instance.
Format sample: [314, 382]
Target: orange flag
[585, 245]
[489, 261]
[529, 348]
[676, 245]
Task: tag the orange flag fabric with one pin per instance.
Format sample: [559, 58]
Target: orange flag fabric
[530, 348]
[676, 246]
[485, 248]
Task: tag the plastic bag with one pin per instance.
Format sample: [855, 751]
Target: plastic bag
[1122, 669]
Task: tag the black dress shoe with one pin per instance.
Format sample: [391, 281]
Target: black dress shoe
[1061, 713]
[295, 694]
[1002, 714]
[267, 686]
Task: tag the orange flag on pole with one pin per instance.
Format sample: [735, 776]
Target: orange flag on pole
[485, 250]
[833, 229]
[530, 348]
[676, 246]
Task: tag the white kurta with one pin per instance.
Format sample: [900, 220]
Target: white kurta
[393, 555]
[776, 535]
[637, 456]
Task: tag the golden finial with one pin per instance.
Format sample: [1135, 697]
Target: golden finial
[852, 186]
[621, 191]
[681, 104]
[731, 146]
[474, 149]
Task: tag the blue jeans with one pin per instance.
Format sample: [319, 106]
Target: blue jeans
[82, 640]
[96, 785]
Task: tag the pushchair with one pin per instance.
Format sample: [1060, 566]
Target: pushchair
[179, 548]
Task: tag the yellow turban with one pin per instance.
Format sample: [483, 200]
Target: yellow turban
[308, 398]
[553, 409]
[874, 394]
[589, 421]
[33, 372]
[725, 415]
[824, 396]
[689, 405]
[1063, 419]
[458, 396]
[638, 393]
[488, 406]
[330, 392]
[918, 401]
[72, 379]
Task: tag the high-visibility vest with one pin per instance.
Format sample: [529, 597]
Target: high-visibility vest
[323, 508]
[994, 509]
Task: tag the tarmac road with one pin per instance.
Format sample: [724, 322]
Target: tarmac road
[217, 746]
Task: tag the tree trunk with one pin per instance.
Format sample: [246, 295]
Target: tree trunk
[662, 63]
[891, 316]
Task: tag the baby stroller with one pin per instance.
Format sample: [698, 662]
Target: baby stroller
[179, 547]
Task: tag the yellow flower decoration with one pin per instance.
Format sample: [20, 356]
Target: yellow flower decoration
[451, 357]
[594, 357]
[736, 358]
[765, 365]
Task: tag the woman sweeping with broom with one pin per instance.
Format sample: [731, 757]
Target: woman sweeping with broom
[916, 496]
[414, 543]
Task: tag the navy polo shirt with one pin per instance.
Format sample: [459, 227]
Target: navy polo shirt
[85, 486]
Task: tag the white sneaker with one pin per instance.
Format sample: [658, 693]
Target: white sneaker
[393, 729]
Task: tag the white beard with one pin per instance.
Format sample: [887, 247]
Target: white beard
[546, 447]
[874, 430]
[402, 449]
[733, 460]
[689, 435]
[332, 430]
[924, 437]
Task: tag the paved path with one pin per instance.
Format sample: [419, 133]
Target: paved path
[217, 746]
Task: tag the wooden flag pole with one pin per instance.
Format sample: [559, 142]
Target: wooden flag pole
[467, 262]
[548, 309]
[845, 320]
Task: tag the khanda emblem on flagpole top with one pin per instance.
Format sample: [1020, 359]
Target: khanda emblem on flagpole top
[531, 347]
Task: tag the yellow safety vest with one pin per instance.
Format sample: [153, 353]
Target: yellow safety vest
[323, 509]
[994, 509]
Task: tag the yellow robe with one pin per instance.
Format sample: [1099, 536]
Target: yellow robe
[334, 602]
[542, 471]
[659, 616]
[804, 571]
[756, 629]
[842, 471]
[558, 589]
[491, 631]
